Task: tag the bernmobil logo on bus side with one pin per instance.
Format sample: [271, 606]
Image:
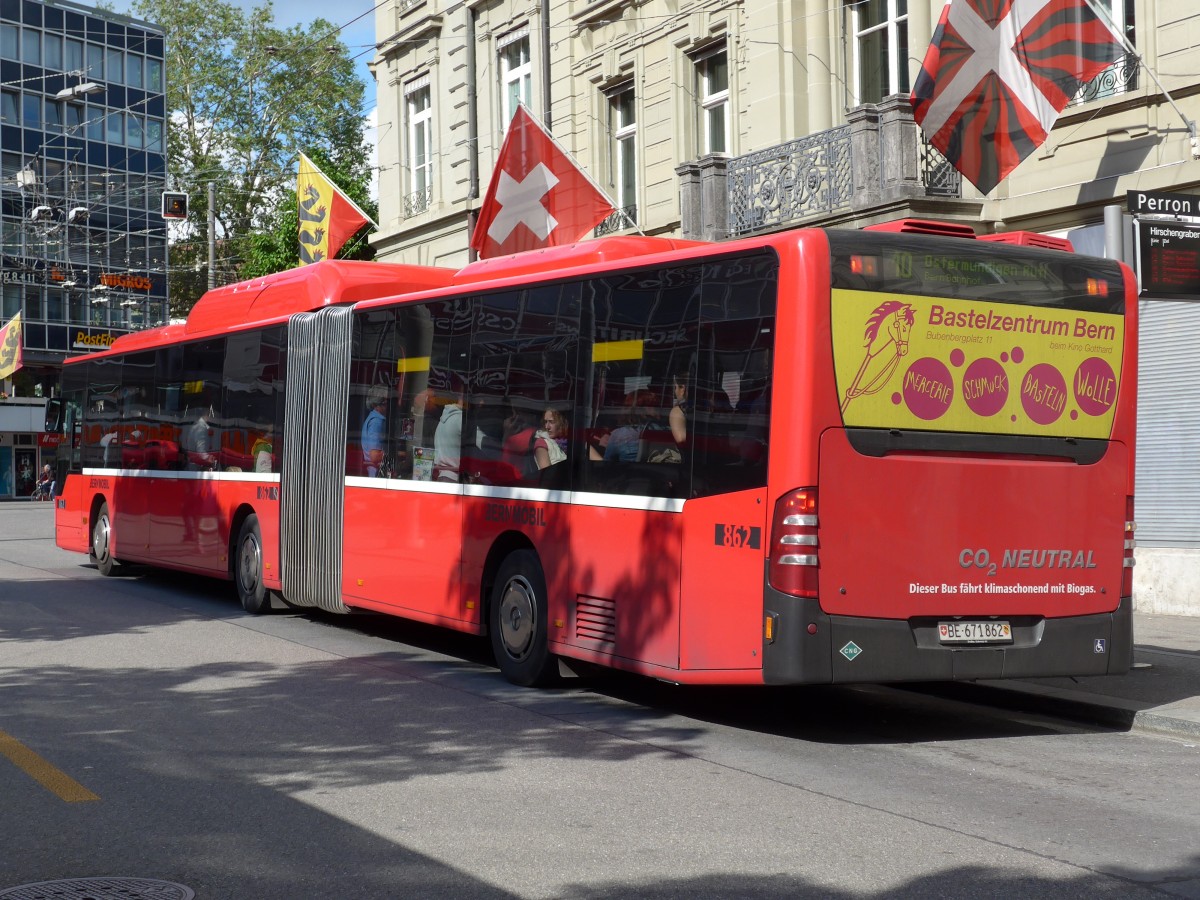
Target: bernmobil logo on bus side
[1028, 558]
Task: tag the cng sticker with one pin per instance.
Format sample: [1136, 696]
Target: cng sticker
[851, 651]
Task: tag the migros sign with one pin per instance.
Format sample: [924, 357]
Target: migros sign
[128, 282]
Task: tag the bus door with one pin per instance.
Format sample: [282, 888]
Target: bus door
[725, 523]
[404, 447]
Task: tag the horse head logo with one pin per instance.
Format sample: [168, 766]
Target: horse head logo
[886, 340]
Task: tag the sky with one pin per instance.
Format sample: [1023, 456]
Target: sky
[358, 17]
[358, 34]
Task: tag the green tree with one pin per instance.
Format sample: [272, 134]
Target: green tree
[244, 97]
[277, 246]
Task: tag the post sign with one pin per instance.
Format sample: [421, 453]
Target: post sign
[1169, 259]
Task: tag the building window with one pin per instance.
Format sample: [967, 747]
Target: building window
[8, 108]
[1122, 76]
[154, 131]
[516, 74]
[154, 75]
[54, 52]
[74, 55]
[880, 29]
[8, 41]
[115, 63]
[32, 107]
[53, 115]
[623, 126]
[419, 110]
[114, 130]
[133, 131]
[95, 62]
[31, 46]
[95, 123]
[712, 71]
[133, 70]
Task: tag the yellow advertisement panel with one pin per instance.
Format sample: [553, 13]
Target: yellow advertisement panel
[930, 363]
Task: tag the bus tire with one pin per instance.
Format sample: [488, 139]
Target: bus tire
[517, 621]
[100, 546]
[248, 568]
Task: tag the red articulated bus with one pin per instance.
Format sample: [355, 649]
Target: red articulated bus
[811, 456]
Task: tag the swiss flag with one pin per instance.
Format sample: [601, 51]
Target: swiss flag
[538, 197]
[999, 72]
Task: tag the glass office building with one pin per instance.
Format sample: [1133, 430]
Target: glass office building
[83, 157]
[82, 170]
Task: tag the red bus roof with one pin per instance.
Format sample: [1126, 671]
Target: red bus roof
[275, 297]
[570, 256]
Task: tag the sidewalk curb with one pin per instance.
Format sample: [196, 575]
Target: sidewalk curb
[1082, 706]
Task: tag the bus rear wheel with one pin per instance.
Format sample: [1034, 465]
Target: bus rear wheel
[517, 621]
[248, 567]
[100, 549]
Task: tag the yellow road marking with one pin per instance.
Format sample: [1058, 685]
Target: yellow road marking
[52, 779]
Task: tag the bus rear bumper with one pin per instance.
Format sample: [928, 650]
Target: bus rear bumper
[846, 649]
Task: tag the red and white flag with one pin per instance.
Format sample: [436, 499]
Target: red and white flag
[538, 197]
[999, 72]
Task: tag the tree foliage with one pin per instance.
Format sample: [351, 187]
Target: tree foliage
[244, 97]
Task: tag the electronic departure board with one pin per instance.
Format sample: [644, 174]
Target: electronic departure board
[1169, 259]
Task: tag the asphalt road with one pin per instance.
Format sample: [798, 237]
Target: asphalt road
[151, 729]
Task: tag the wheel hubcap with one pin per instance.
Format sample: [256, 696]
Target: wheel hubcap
[249, 565]
[100, 538]
[518, 609]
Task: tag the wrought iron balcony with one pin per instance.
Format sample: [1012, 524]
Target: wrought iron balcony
[418, 201]
[938, 174]
[618, 220]
[1119, 78]
[804, 178]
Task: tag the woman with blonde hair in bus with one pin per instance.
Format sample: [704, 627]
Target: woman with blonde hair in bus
[550, 441]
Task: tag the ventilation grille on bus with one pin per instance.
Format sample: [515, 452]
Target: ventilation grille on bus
[1029, 239]
[596, 620]
[925, 226]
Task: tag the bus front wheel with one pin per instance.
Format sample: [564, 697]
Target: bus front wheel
[100, 550]
[248, 567]
[518, 623]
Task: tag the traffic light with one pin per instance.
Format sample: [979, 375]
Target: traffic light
[174, 205]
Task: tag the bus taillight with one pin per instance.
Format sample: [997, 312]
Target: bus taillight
[793, 561]
[1130, 543]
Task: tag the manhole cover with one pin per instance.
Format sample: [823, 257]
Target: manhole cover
[100, 889]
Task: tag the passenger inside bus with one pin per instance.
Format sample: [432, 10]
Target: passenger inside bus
[550, 441]
[447, 436]
[678, 416]
[517, 447]
[263, 451]
[374, 430]
[625, 443]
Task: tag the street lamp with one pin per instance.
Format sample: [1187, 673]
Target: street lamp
[88, 87]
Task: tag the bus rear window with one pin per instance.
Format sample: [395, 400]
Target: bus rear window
[971, 270]
[953, 337]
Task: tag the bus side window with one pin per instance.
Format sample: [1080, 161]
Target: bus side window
[733, 379]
